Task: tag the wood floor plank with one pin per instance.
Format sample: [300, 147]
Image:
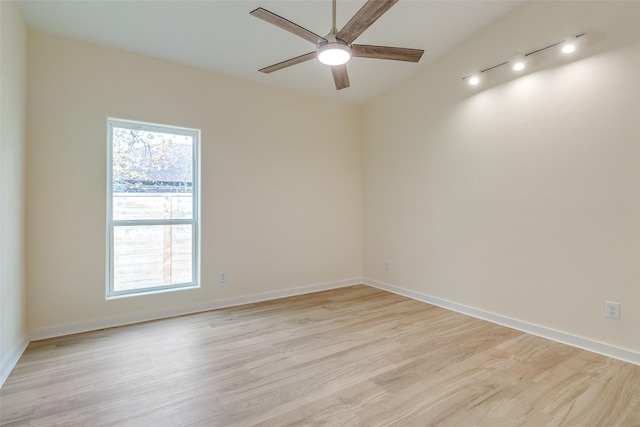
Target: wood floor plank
[354, 356]
[339, 408]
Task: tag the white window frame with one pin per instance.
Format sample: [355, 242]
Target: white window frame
[194, 221]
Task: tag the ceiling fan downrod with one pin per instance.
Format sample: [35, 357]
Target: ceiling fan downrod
[334, 29]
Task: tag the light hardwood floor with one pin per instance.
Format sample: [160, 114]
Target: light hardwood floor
[355, 356]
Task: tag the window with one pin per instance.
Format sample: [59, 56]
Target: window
[152, 208]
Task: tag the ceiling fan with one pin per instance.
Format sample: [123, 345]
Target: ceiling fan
[337, 48]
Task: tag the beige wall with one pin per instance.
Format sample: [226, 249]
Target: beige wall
[281, 194]
[520, 198]
[13, 63]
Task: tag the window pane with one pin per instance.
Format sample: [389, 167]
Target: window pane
[151, 256]
[127, 206]
[152, 174]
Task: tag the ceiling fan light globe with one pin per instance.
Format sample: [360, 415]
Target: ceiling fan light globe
[334, 53]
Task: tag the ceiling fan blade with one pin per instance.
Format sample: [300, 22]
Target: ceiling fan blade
[288, 63]
[385, 52]
[367, 15]
[340, 76]
[287, 25]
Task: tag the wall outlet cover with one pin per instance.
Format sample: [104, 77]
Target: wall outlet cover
[612, 310]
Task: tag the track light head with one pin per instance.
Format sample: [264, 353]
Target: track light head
[518, 62]
[474, 79]
[569, 44]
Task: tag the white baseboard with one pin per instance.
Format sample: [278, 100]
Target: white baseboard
[11, 360]
[75, 328]
[544, 332]
[541, 331]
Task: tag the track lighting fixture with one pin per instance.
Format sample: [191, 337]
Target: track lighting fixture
[519, 61]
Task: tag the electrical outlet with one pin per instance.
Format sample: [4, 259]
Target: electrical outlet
[612, 310]
[387, 264]
[222, 277]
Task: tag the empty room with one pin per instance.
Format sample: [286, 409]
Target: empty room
[340, 213]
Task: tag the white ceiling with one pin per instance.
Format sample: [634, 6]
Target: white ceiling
[220, 35]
